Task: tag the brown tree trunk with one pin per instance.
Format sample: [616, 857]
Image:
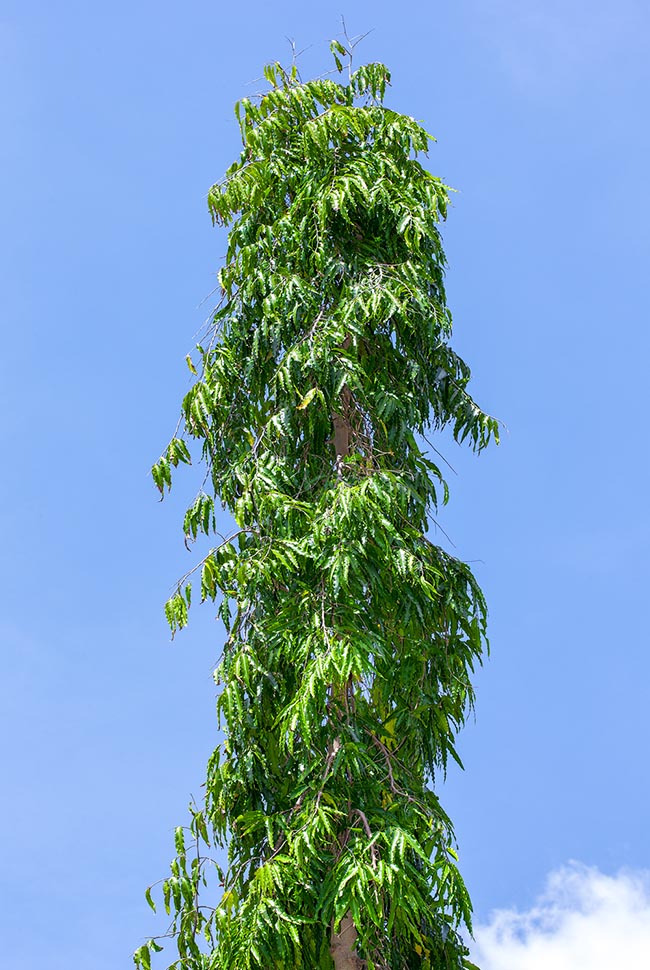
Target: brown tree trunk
[343, 948]
[343, 943]
[342, 430]
[341, 420]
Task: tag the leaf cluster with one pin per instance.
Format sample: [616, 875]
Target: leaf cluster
[351, 637]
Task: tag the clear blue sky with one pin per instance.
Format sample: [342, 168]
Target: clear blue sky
[116, 119]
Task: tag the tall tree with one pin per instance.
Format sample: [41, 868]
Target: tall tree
[351, 637]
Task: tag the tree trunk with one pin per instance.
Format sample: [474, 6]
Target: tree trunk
[343, 945]
[341, 420]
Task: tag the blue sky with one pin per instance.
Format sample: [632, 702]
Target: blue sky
[116, 119]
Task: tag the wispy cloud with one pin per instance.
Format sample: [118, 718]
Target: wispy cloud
[584, 920]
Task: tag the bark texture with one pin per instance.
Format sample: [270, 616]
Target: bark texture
[343, 948]
[343, 943]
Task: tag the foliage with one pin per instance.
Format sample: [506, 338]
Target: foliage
[351, 637]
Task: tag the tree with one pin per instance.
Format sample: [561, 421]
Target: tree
[351, 636]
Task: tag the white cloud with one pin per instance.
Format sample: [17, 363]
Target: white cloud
[584, 920]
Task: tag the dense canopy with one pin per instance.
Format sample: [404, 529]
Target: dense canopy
[351, 636]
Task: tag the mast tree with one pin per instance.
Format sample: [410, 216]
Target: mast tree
[351, 636]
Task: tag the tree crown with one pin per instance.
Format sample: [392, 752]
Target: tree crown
[351, 637]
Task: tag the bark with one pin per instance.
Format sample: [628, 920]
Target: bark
[341, 420]
[343, 946]
[342, 430]
[343, 943]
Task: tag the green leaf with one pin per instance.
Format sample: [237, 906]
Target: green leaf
[142, 957]
[309, 396]
[179, 840]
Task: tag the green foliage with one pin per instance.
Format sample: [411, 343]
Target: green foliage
[351, 637]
